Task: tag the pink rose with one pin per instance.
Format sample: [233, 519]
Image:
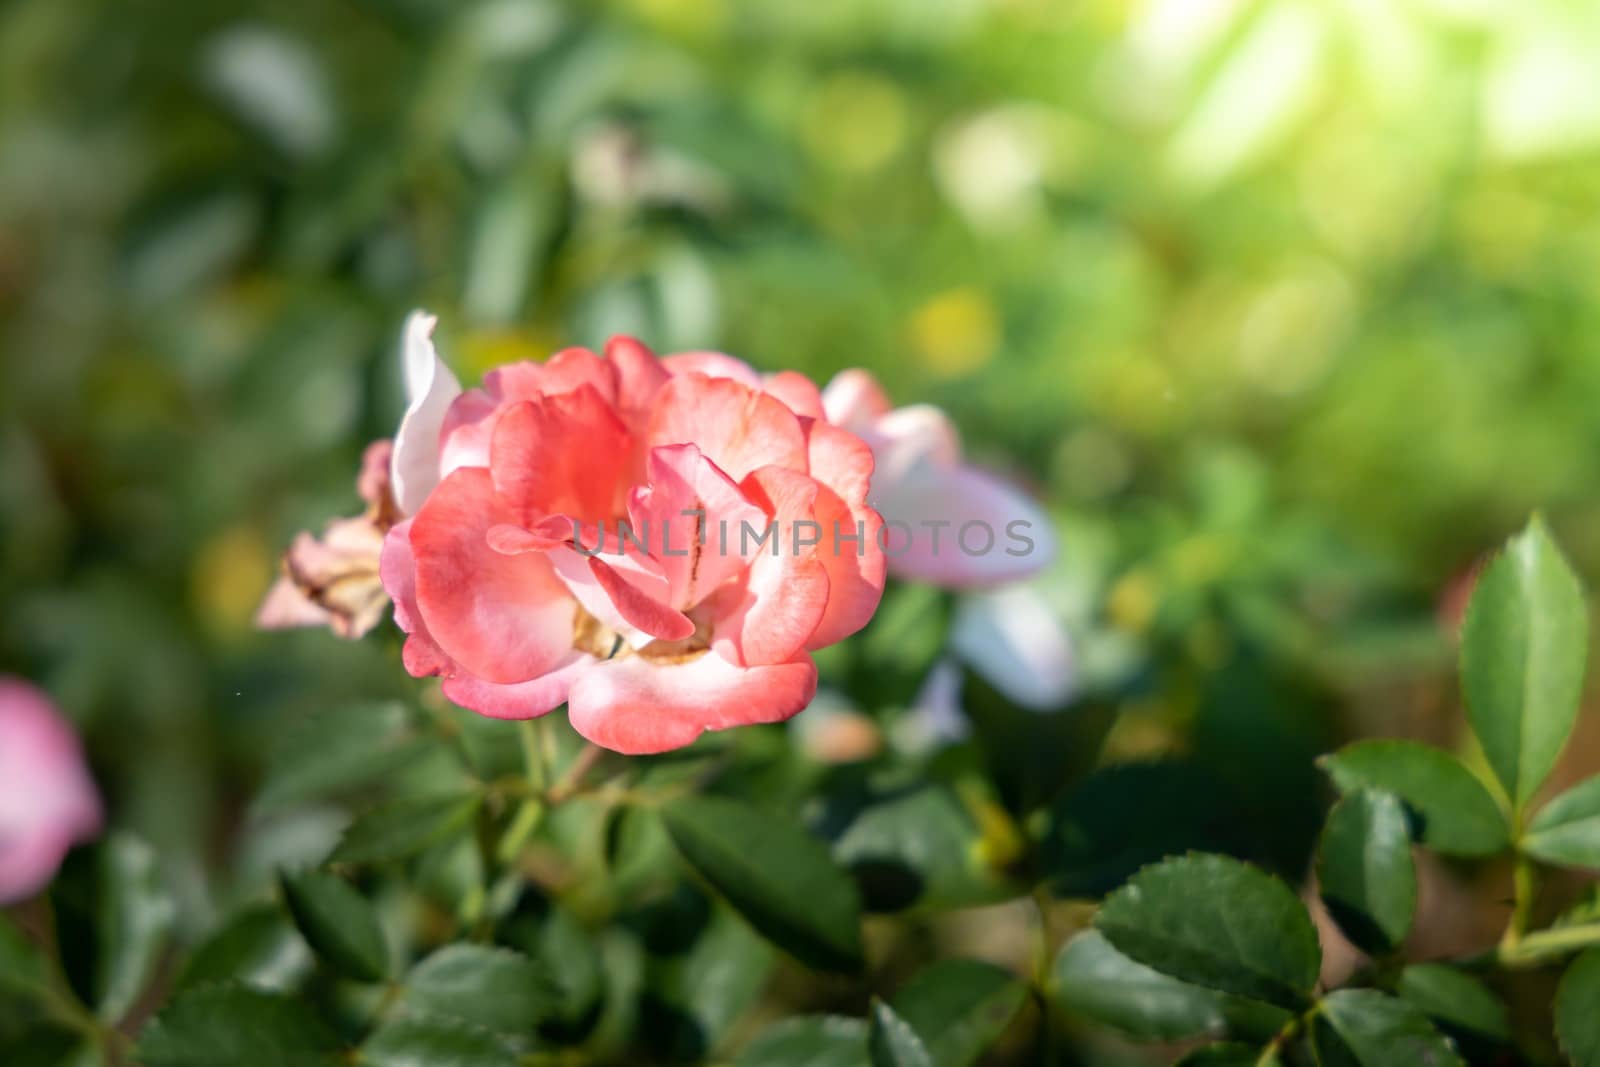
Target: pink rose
[47, 800]
[949, 523]
[658, 543]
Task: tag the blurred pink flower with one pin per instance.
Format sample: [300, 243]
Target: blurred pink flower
[47, 801]
[1004, 628]
[929, 497]
[517, 585]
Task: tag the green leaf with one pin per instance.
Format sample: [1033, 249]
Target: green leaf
[1218, 923]
[113, 917]
[49, 1044]
[435, 1042]
[404, 827]
[959, 1008]
[1581, 912]
[338, 924]
[809, 1041]
[1364, 870]
[336, 752]
[776, 875]
[1566, 831]
[1577, 1022]
[495, 988]
[239, 1027]
[1094, 979]
[1377, 1030]
[1522, 653]
[1125, 816]
[22, 965]
[918, 848]
[891, 1042]
[1454, 811]
[705, 968]
[259, 947]
[1454, 1000]
[551, 936]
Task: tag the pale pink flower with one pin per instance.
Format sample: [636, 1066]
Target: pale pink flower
[332, 580]
[928, 495]
[1004, 628]
[48, 802]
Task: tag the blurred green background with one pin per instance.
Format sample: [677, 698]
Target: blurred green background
[1289, 308]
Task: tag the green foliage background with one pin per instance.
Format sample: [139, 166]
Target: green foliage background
[1288, 308]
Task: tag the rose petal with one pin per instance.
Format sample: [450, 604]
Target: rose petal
[854, 400]
[851, 549]
[797, 391]
[562, 455]
[503, 618]
[734, 426]
[430, 389]
[690, 516]
[523, 700]
[772, 613]
[713, 365]
[636, 706]
[640, 375]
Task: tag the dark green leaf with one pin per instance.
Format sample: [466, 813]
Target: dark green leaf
[1454, 999]
[435, 1042]
[1028, 756]
[1566, 831]
[336, 752]
[1582, 912]
[403, 827]
[891, 1042]
[259, 948]
[1227, 1054]
[705, 968]
[113, 916]
[959, 1008]
[1364, 870]
[240, 1027]
[1218, 923]
[775, 874]
[809, 1041]
[1454, 811]
[495, 988]
[1522, 652]
[1377, 1030]
[22, 965]
[918, 848]
[1123, 817]
[47, 1044]
[338, 924]
[1094, 979]
[1577, 1021]
[549, 934]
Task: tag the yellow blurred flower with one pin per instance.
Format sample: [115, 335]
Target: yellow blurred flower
[956, 332]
